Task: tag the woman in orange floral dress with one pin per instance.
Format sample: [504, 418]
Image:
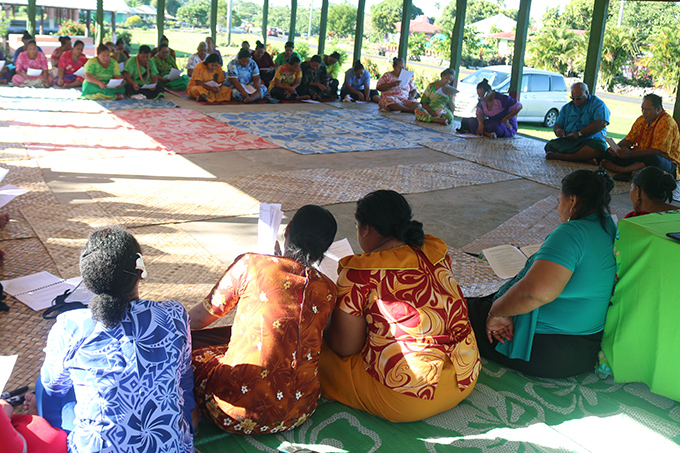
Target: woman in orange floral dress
[399, 344]
[263, 378]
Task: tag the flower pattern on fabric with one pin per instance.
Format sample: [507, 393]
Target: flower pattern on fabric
[395, 95]
[133, 381]
[416, 317]
[266, 336]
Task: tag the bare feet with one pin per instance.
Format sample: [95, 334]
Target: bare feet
[120, 97]
[552, 156]
[4, 219]
[612, 167]
[304, 98]
[30, 404]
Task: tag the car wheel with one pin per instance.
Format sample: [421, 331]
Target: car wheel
[550, 118]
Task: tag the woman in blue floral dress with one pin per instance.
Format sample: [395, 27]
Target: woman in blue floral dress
[129, 360]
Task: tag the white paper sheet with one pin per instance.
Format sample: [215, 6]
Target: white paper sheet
[212, 83]
[121, 65]
[612, 144]
[268, 227]
[337, 251]
[37, 291]
[80, 72]
[115, 83]
[148, 86]
[33, 72]
[505, 260]
[529, 250]
[174, 74]
[9, 193]
[6, 366]
[250, 89]
[361, 102]
[405, 76]
[2, 64]
[310, 101]
[3, 173]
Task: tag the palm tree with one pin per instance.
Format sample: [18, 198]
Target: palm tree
[555, 49]
[618, 48]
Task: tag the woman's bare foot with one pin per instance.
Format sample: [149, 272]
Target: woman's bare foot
[120, 97]
[4, 219]
[552, 156]
[30, 404]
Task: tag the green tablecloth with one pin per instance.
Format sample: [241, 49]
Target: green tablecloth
[641, 334]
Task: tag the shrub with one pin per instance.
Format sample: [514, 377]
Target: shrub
[302, 48]
[70, 28]
[134, 21]
[372, 68]
[343, 53]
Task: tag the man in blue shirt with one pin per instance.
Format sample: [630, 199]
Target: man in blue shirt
[580, 128]
[357, 85]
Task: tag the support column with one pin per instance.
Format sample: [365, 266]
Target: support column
[265, 28]
[359, 32]
[160, 20]
[521, 33]
[42, 21]
[99, 26]
[31, 17]
[405, 28]
[230, 15]
[595, 41]
[457, 39]
[88, 22]
[676, 109]
[322, 27]
[113, 27]
[293, 18]
[213, 21]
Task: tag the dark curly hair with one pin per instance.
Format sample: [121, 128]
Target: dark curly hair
[107, 264]
[310, 232]
[656, 183]
[390, 214]
[592, 189]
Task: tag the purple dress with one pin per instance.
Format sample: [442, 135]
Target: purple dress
[502, 105]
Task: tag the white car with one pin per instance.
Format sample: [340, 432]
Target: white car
[543, 93]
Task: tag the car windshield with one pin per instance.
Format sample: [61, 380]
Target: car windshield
[495, 78]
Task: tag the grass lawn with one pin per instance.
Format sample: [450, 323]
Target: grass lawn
[623, 115]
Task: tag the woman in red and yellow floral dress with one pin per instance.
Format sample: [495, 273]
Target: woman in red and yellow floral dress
[399, 344]
[261, 376]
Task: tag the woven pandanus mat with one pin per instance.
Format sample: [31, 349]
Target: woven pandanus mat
[529, 227]
[521, 156]
[474, 276]
[365, 108]
[12, 151]
[27, 175]
[23, 331]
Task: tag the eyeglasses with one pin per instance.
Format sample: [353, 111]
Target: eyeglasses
[578, 98]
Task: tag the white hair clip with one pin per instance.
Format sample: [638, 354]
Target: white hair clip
[139, 265]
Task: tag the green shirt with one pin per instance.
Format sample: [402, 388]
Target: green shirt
[164, 66]
[131, 68]
[333, 70]
[102, 74]
[281, 58]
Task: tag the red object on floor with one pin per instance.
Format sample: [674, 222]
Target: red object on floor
[187, 131]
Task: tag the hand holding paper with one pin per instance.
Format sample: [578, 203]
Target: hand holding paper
[174, 74]
[34, 72]
[80, 72]
[148, 86]
[115, 83]
[268, 227]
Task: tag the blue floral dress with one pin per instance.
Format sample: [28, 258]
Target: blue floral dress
[133, 382]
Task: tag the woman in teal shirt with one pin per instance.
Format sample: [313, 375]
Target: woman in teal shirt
[548, 320]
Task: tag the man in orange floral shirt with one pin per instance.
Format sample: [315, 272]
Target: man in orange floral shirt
[653, 140]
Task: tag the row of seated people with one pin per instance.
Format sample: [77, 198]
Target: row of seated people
[395, 336]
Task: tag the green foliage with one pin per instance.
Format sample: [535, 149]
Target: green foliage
[72, 28]
[448, 17]
[664, 64]
[557, 50]
[120, 34]
[417, 46]
[195, 13]
[171, 6]
[578, 14]
[618, 48]
[134, 21]
[480, 9]
[342, 18]
[372, 68]
[471, 43]
[441, 46]
[648, 17]
[343, 53]
[302, 48]
[386, 13]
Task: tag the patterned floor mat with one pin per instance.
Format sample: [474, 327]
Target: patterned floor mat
[187, 131]
[330, 131]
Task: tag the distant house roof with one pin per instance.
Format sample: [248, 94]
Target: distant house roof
[500, 21]
[144, 9]
[118, 6]
[420, 24]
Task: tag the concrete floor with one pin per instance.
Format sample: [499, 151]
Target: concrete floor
[457, 215]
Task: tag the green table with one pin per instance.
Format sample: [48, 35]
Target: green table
[642, 333]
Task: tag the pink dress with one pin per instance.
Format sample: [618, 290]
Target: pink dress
[396, 95]
[24, 64]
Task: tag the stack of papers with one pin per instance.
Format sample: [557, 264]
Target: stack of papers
[148, 86]
[174, 74]
[337, 251]
[507, 260]
[34, 72]
[268, 227]
[212, 83]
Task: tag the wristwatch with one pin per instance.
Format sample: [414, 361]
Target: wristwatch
[580, 134]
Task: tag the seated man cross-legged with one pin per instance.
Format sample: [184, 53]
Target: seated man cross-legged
[141, 71]
[653, 140]
[580, 128]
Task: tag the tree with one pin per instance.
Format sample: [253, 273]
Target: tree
[448, 17]
[386, 13]
[342, 18]
[417, 46]
[171, 6]
[479, 10]
[557, 50]
[618, 48]
[195, 13]
[663, 64]
[134, 21]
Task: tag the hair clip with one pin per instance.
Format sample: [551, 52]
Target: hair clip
[139, 265]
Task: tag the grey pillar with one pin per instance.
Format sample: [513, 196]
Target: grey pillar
[31, 17]
[457, 39]
[213, 21]
[265, 16]
[160, 20]
[597, 25]
[520, 46]
[405, 28]
[99, 26]
[359, 33]
[322, 27]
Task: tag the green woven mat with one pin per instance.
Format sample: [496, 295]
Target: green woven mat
[505, 412]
